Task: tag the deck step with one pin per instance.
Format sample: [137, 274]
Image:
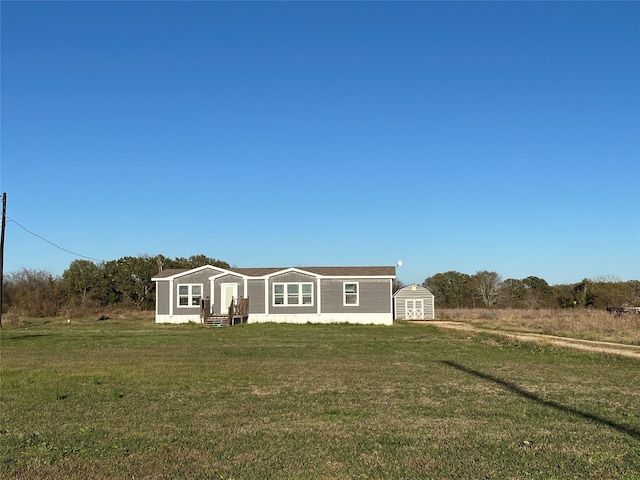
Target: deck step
[217, 321]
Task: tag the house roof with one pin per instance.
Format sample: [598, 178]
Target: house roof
[353, 271]
[321, 271]
[169, 272]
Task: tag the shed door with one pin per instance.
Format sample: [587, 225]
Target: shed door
[414, 308]
[228, 291]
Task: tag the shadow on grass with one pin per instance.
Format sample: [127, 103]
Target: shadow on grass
[548, 403]
[28, 336]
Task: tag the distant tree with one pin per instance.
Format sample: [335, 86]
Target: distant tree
[194, 261]
[126, 281]
[633, 297]
[582, 294]
[397, 285]
[598, 293]
[83, 281]
[610, 291]
[34, 293]
[451, 289]
[130, 282]
[513, 293]
[611, 279]
[487, 287]
[160, 261]
[538, 292]
[564, 295]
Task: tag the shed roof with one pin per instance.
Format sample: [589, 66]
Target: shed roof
[414, 287]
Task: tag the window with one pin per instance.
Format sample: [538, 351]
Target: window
[278, 293]
[189, 295]
[307, 293]
[351, 295]
[293, 293]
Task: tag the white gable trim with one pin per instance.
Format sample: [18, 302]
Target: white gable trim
[229, 272]
[189, 272]
[291, 270]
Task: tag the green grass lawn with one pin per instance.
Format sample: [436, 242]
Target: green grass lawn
[130, 399]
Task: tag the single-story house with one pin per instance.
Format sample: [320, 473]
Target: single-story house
[285, 295]
[413, 302]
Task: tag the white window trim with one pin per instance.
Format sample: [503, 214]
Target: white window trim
[344, 294]
[286, 295]
[190, 295]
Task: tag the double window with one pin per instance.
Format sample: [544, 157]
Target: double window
[189, 295]
[293, 293]
[351, 294]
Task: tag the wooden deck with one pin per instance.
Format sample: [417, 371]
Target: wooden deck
[238, 313]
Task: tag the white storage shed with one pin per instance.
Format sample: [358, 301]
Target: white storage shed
[413, 302]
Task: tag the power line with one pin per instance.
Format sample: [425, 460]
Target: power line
[51, 243]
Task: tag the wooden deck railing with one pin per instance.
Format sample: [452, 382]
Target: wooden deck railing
[238, 313]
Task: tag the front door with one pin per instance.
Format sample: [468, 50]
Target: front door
[228, 292]
[414, 309]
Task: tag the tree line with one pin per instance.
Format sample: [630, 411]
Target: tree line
[86, 287]
[486, 289]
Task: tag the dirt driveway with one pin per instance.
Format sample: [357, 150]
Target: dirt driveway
[588, 345]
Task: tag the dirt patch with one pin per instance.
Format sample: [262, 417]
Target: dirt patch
[587, 345]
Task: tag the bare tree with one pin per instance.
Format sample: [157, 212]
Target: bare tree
[34, 293]
[487, 286]
[398, 284]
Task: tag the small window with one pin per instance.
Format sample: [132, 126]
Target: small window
[196, 294]
[351, 294]
[307, 294]
[278, 294]
[189, 295]
[292, 294]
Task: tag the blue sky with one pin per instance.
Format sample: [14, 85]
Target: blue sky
[500, 136]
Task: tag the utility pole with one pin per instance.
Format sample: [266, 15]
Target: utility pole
[4, 223]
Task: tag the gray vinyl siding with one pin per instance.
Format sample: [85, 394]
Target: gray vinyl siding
[255, 292]
[409, 293]
[201, 277]
[374, 296]
[162, 295]
[293, 277]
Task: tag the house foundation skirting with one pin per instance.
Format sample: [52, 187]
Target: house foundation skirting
[178, 318]
[357, 318]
